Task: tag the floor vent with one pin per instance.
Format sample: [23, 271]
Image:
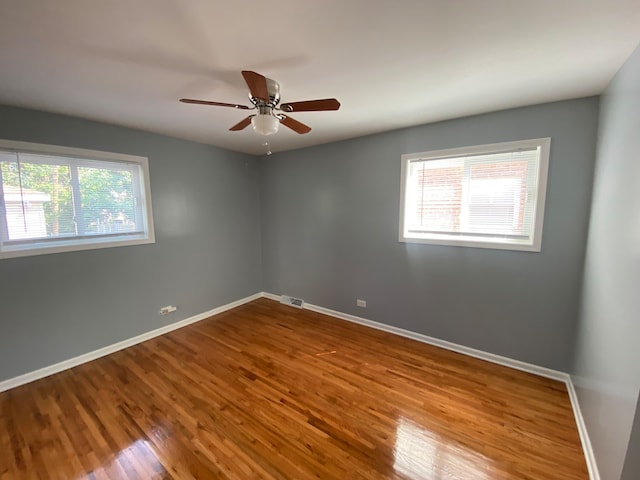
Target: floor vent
[294, 302]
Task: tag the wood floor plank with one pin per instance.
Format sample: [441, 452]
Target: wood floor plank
[266, 391]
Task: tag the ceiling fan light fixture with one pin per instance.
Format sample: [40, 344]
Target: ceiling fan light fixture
[265, 124]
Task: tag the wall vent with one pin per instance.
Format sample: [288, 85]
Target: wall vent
[294, 302]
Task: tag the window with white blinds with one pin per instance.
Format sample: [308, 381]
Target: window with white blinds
[55, 199]
[489, 196]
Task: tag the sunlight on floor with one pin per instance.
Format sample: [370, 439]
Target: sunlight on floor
[421, 454]
[138, 458]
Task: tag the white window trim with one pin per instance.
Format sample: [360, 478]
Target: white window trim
[75, 244]
[495, 243]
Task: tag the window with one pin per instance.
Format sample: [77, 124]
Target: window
[58, 199]
[490, 196]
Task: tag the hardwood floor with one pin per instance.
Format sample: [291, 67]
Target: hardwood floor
[268, 391]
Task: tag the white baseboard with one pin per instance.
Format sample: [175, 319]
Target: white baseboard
[482, 355]
[101, 352]
[589, 455]
[454, 347]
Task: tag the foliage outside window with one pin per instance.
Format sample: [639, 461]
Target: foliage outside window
[489, 196]
[56, 199]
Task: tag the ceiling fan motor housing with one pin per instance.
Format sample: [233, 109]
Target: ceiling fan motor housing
[273, 88]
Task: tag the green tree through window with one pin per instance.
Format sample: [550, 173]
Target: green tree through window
[49, 196]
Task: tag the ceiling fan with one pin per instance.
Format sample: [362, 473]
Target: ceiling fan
[264, 94]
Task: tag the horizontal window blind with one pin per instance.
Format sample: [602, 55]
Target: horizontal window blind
[485, 196]
[47, 199]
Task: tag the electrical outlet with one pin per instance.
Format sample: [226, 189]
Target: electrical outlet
[167, 309]
[361, 303]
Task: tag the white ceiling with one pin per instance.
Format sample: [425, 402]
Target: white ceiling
[391, 64]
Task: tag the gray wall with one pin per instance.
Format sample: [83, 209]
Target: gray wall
[207, 251]
[607, 364]
[330, 235]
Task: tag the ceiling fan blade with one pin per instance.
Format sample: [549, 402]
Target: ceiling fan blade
[242, 124]
[218, 104]
[257, 85]
[311, 105]
[294, 125]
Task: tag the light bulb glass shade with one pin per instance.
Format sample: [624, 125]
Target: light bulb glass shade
[265, 124]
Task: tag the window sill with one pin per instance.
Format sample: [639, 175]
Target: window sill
[470, 242]
[71, 246]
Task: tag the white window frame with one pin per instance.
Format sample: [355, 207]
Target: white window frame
[534, 244]
[81, 157]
